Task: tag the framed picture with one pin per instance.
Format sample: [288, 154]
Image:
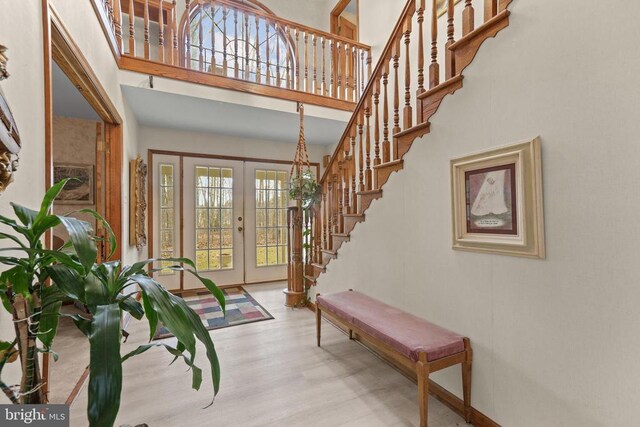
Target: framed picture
[78, 191]
[497, 201]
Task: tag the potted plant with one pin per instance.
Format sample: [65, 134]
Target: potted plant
[304, 188]
[37, 281]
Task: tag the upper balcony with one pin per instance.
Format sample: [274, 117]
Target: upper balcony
[226, 44]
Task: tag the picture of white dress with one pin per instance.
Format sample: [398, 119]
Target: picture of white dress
[491, 200]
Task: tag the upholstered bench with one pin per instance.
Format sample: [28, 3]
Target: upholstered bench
[408, 340]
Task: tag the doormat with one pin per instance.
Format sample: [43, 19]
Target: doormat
[240, 305]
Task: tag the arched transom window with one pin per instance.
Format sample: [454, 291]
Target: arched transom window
[236, 41]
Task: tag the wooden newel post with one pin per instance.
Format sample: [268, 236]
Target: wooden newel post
[294, 294]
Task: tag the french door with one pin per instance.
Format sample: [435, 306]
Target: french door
[229, 216]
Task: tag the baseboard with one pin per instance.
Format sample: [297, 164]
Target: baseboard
[453, 402]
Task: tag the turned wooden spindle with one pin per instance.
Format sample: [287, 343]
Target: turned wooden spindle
[117, 24]
[421, 7]
[329, 212]
[347, 72]
[336, 200]
[386, 150]
[132, 31]
[450, 59]
[362, 78]
[396, 97]
[490, 9]
[369, 172]
[214, 67]
[353, 169]
[236, 68]
[339, 70]
[297, 59]
[332, 68]
[468, 18]
[407, 112]
[174, 33]
[225, 62]
[346, 177]
[146, 29]
[361, 186]
[267, 51]
[109, 7]
[160, 32]
[376, 121]
[324, 216]
[434, 68]
[324, 61]
[307, 83]
[354, 190]
[200, 44]
[315, 63]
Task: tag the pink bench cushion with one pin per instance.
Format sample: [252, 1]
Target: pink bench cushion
[404, 332]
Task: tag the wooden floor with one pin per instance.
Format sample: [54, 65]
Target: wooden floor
[273, 375]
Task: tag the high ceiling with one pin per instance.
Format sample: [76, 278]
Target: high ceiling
[169, 110]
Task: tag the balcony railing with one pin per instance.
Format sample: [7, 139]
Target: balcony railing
[231, 45]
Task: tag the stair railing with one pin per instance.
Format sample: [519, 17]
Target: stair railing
[230, 39]
[384, 123]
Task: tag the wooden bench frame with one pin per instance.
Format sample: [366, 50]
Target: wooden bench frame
[422, 367]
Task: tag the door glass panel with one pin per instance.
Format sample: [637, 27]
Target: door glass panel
[167, 217]
[214, 232]
[272, 199]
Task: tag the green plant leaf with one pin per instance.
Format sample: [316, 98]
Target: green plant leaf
[131, 306]
[151, 314]
[18, 278]
[105, 369]
[49, 197]
[181, 321]
[68, 281]
[96, 292]
[25, 215]
[44, 224]
[49, 316]
[111, 237]
[81, 235]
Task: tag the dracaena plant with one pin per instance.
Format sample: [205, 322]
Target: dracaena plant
[36, 281]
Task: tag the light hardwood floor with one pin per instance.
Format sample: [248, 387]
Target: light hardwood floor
[272, 375]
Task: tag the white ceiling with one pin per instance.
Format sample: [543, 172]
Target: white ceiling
[156, 108]
[67, 100]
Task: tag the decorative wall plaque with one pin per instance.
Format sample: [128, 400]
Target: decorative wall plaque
[138, 203]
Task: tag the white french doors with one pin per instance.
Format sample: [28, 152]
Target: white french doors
[229, 216]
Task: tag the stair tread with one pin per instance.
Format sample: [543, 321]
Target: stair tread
[340, 234]
[412, 129]
[320, 266]
[367, 192]
[354, 215]
[329, 251]
[389, 164]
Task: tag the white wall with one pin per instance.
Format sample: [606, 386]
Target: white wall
[222, 145]
[23, 91]
[554, 340]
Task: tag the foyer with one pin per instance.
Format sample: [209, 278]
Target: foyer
[320, 212]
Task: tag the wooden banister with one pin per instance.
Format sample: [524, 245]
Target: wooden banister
[389, 129]
[289, 55]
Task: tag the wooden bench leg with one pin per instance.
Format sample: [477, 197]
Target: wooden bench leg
[318, 320]
[422, 371]
[466, 380]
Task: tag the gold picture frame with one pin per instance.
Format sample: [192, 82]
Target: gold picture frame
[497, 201]
[137, 203]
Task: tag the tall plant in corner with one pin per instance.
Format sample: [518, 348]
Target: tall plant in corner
[38, 280]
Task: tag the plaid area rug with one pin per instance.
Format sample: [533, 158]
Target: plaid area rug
[241, 308]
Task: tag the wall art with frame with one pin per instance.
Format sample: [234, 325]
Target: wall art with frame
[497, 201]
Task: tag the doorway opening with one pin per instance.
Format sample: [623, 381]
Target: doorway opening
[345, 19]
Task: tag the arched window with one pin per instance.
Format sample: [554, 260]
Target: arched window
[235, 41]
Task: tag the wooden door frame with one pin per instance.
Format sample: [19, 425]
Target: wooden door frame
[59, 46]
[181, 155]
[335, 14]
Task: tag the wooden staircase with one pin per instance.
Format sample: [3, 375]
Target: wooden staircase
[380, 133]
